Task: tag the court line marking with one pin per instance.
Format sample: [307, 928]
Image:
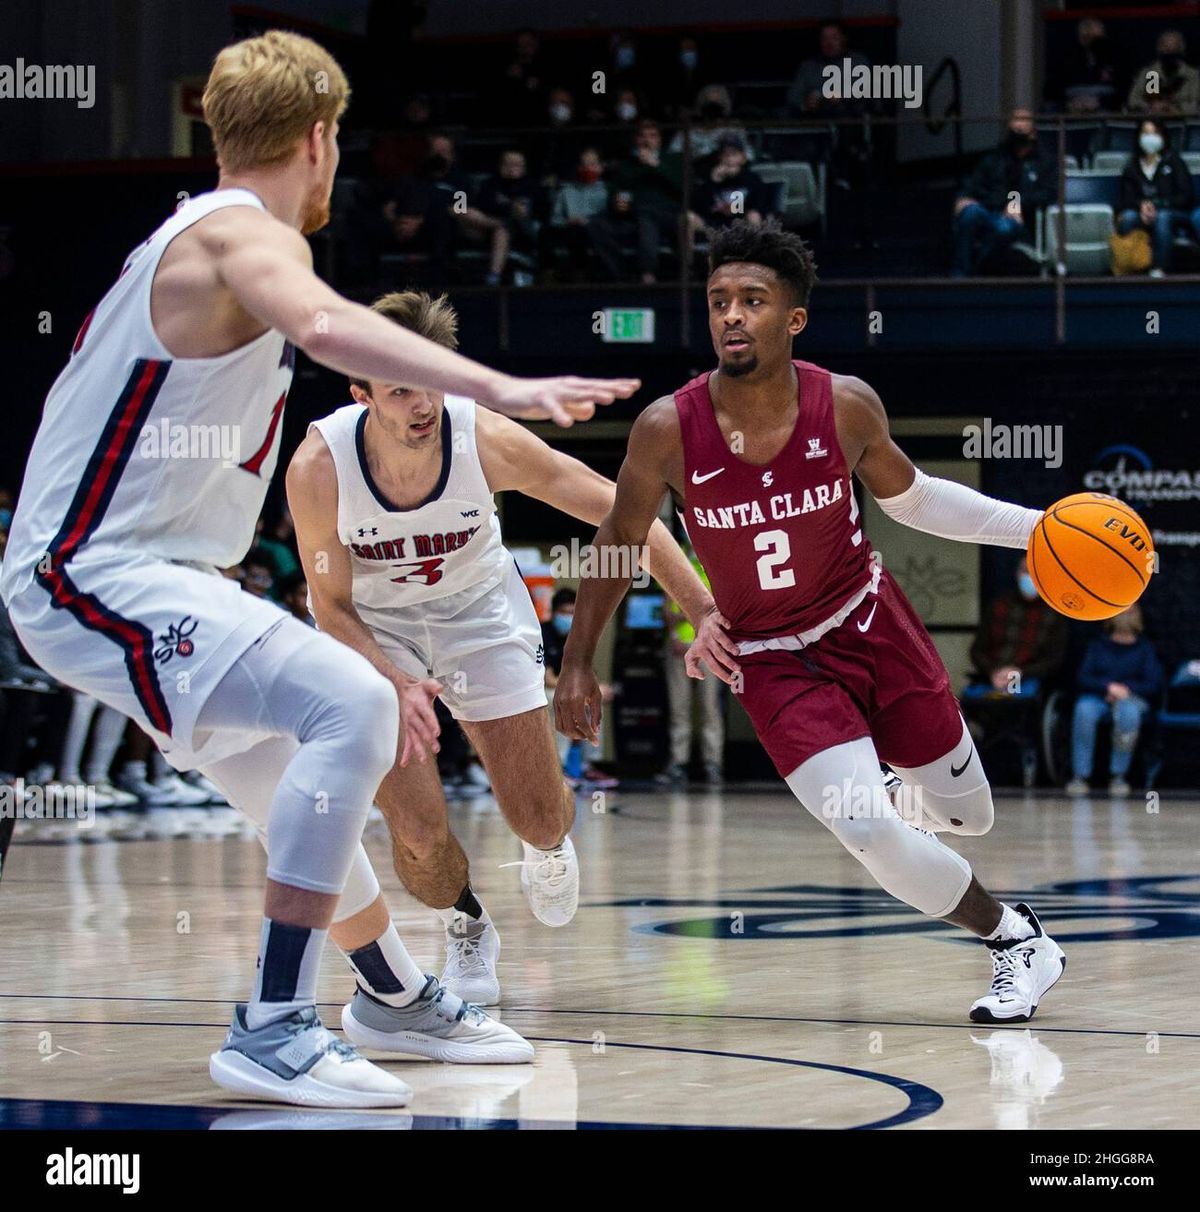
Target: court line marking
[923, 1100]
[737, 1018]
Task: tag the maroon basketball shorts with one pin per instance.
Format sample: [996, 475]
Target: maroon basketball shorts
[878, 674]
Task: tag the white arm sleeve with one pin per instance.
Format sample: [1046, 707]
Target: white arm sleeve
[954, 511]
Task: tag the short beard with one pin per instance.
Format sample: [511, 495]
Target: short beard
[738, 370]
[316, 215]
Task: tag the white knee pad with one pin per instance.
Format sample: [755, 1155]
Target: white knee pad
[951, 794]
[843, 788]
[362, 887]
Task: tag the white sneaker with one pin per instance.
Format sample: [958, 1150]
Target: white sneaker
[296, 1060]
[1023, 970]
[438, 1025]
[173, 790]
[550, 879]
[193, 778]
[117, 797]
[472, 949]
[1077, 787]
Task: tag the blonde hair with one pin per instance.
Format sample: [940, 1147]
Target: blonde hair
[419, 312]
[264, 94]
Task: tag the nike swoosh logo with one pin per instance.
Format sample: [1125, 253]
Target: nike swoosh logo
[699, 479]
[955, 773]
[864, 626]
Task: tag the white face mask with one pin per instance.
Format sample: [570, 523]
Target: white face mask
[560, 111]
[627, 111]
[1150, 143]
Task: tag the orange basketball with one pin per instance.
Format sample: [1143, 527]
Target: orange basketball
[1090, 556]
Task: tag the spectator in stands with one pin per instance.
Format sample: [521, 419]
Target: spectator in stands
[1168, 85]
[986, 219]
[1157, 194]
[558, 151]
[6, 509]
[278, 543]
[554, 639]
[809, 97]
[515, 200]
[1087, 79]
[626, 69]
[293, 596]
[729, 190]
[1020, 640]
[712, 112]
[647, 196]
[519, 94]
[680, 634]
[1119, 677]
[575, 204]
[684, 76]
[257, 577]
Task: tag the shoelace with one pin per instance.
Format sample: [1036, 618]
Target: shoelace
[1004, 972]
[550, 869]
[451, 1007]
[464, 951]
[328, 1042]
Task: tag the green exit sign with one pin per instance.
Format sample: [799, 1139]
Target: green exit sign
[633, 325]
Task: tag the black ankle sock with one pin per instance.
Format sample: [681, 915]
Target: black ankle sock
[467, 903]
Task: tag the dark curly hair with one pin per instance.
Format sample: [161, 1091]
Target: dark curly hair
[766, 244]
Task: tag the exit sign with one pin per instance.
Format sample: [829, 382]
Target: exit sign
[634, 325]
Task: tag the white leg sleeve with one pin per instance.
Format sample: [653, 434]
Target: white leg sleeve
[83, 707]
[951, 795]
[843, 788]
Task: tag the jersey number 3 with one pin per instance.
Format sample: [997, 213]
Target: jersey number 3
[777, 550]
[423, 572]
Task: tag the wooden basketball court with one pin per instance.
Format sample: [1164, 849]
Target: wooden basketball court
[730, 965]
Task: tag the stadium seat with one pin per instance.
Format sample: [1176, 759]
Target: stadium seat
[802, 202]
[1109, 161]
[1088, 227]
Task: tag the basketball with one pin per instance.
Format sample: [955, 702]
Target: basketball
[1090, 556]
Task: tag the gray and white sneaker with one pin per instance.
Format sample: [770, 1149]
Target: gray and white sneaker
[295, 1059]
[550, 879]
[472, 949]
[438, 1025]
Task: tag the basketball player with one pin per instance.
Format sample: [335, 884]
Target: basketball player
[110, 573]
[392, 498]
[833, 664]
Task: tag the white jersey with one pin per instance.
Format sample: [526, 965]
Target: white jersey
[442, 548]
[141, 452]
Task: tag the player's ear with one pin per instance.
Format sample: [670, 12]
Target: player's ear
[358, 395]
[797, 321]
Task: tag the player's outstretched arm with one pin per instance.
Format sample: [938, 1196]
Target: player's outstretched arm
[907, 494]
[515, 460]
[268, 267]
[313, 499]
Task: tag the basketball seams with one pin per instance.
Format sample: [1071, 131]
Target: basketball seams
[1119, 554]
[1090, 592]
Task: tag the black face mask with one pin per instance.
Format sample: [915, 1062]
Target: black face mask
[1019, 142]
[1171, 63]
[710, 111]
[435, 166]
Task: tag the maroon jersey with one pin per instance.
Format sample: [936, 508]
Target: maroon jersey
[782, 544]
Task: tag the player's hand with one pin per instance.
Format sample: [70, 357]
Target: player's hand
[577, 704]
[714, 648]
[419, 726]
[563, 400]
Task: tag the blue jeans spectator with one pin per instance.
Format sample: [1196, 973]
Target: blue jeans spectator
[1090, 711]
[1162, 230]
[979, 232]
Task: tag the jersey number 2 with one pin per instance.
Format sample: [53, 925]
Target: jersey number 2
[777, 550]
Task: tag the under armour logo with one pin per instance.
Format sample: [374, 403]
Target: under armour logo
[768, 479]
[815, 449]
[362, 533]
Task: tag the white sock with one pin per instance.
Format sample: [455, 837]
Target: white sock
[467, 908]
[386, 970]
[1012, 926]
[288, 960]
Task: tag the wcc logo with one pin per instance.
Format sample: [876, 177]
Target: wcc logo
[1145, 908]
[176, 641]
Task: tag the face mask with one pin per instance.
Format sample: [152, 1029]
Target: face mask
[1018, 141]
[436, 165]
[560, 111]
[689, 59]
[627, 111]
[626, 57]
[589, 176]
[562, 623]
[1171, 63]
[711, 110]
[1027, 587]
[1151, 144]
[5, 518]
